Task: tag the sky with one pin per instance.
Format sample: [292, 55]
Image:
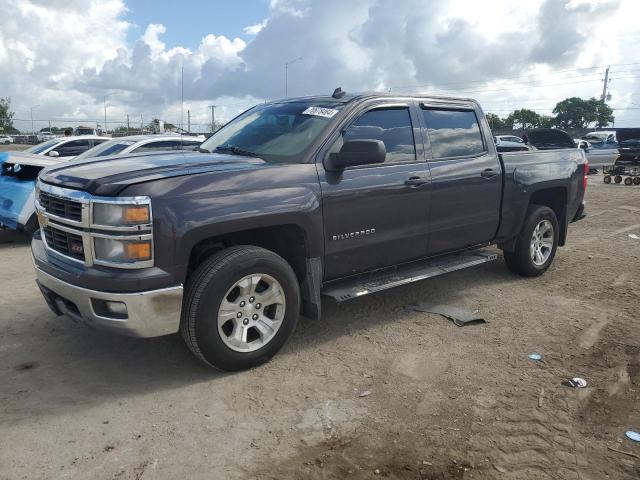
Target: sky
[67, 58]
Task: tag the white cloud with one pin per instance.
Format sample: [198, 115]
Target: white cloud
[255, 28]
[67, 55]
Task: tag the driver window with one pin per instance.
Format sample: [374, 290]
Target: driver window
[392, 126]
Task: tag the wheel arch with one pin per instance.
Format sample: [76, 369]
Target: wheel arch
[290, 241]
[556, 199]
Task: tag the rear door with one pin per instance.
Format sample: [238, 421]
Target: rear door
[466, 179]
[377, 215]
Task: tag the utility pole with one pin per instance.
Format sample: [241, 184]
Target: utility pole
[286, 74]
[128, 125]
[603, 97]
[141, 124]
[189, 121]
[213, 118]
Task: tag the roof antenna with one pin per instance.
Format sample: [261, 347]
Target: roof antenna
[338, 93]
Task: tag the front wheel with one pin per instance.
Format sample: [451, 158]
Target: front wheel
[240, 307]
[536, 245]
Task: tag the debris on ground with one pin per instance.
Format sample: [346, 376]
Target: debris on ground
[635, 436]
[535, 356]
[575, 382]
[366, 393]
[634, 236]
[631, 454]
[459, 316]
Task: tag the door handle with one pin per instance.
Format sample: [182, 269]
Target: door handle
[415, 181]
[488, 173]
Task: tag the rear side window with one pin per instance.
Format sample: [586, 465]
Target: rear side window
[453, 133]
[392, 126]
[72, 148]
[157, 146]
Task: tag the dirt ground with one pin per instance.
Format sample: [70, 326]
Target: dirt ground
[444, 403]
[13, 147]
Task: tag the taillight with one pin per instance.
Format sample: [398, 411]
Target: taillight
[586, 173]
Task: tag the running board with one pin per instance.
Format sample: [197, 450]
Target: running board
[401, 275]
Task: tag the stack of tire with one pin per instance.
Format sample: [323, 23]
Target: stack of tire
[630, 180]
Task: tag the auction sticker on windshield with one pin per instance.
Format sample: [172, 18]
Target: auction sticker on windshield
[320, 112]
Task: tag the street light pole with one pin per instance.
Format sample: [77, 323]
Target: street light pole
[213, 118]
[105, 110]
[286, 74]
[32, 130]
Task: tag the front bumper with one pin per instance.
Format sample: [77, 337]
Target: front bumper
[148, 314]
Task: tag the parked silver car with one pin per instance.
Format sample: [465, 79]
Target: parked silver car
[142, 143]
[599, 155]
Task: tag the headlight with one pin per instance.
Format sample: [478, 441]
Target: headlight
[122, 251]
[117, 215]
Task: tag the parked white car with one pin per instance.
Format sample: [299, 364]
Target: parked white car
[509, 143]
[66, 147]
[44, 136]
[5, 140]
[141, 144]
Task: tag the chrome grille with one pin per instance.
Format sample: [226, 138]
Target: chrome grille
[66, 243]
[61, 207]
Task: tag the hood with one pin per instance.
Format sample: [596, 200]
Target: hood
[110, 175]
[628, 137]
[24, 158]
[548, 138]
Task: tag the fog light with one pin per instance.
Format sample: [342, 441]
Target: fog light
[118, 308]
[110, 309]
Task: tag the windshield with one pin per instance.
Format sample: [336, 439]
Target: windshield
[279, 132]
[41, 147]
[111, 147]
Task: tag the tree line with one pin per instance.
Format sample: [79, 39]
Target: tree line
[569, 114]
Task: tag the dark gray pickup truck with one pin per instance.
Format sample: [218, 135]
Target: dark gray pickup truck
[335, 196]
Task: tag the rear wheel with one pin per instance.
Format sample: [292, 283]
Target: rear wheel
[628, 181]
[240, 307]
[536, 245]
[607, 179]
[617, 178]
[636, 180]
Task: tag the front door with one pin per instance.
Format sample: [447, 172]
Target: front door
[377, 215]
[466, 178]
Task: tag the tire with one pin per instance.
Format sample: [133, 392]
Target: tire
[607, 179]
[636, 180]
[521, 261]
[216, 280]
[617, 179]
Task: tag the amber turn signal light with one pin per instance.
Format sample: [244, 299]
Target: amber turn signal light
[136, 214]
[138, 250]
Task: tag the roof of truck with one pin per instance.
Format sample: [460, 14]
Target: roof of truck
[348, 97]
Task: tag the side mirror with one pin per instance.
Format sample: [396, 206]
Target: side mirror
[53, 154]
[357, 152]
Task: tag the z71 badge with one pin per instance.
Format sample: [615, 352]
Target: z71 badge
[360, 233]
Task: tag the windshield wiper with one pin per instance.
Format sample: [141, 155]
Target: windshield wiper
[236, 150]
